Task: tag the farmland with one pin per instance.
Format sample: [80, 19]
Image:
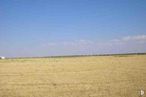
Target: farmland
[90, 76]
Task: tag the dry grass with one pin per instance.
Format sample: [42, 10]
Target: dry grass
[98, 76]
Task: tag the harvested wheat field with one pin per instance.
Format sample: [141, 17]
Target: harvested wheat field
[93, 76]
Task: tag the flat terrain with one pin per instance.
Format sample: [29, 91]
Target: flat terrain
[94, 76]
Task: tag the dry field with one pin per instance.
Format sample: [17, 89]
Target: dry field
[96, 76]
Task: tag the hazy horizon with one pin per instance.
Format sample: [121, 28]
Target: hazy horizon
[30, 28]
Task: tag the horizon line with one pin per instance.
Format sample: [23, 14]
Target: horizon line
[84, 55]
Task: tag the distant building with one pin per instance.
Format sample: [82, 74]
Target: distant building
[2, 57]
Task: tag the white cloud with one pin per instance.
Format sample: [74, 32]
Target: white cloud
[128, 44]
[83, 42]
[134, 38]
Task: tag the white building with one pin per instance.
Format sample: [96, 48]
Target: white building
[2, 57]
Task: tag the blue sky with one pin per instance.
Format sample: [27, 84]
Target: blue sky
[69, 27]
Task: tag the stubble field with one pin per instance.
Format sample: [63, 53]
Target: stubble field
[94, 76]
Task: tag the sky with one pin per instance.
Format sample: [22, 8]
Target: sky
[32, 28]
